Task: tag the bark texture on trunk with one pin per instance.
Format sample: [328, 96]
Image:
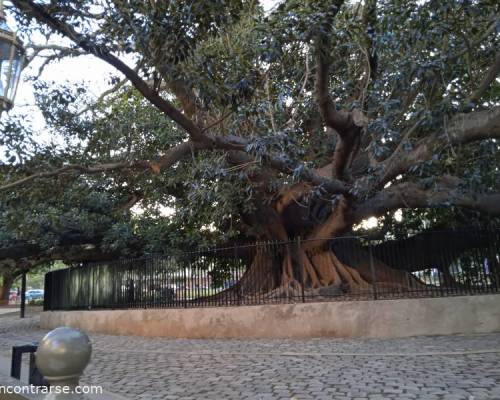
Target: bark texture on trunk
[5, 287]
[320, 271]
[314, 265]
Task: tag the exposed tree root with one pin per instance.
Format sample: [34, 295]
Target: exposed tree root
[323, 269]
[260, 277]
[313, 274]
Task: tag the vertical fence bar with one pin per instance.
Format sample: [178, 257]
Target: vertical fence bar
[484, 273]
[53, 304]
[161, 283]
[170, 290]
[152, 288]
[493, 261]
[89, 285]
[166, 293]
[372, 271]
[145, 272]
[236, 280]
[301, 270]
[46, 291]
[184, 290]
[23, 294]
[213, 277]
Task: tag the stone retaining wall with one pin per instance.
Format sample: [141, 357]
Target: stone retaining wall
[376, 319]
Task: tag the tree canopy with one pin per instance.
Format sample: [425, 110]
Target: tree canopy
[302, 121]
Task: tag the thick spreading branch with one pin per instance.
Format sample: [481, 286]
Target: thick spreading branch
[169, 158]
[74, 168]
[297, 169]
[40, 14]
[27, 256]
[338, 120]
[369, 21]
[347, 125]
[369, 53]
[446, 191]
[462, 129]
[488, 79]
[337, 222]
[197, 134]
[474, 126]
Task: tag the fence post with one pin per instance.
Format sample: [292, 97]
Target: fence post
[67, 292]
[374, 277]
[52, 290]
[90, 275]
[113, 280]
[184, 272]
[238, 277]
[23, 294]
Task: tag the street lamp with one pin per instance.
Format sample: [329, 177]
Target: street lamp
[11, 63]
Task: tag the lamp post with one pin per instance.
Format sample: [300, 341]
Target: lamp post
[11, 63]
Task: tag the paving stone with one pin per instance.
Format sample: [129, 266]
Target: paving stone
[461, 367]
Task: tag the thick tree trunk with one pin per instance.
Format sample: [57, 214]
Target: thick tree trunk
[263, 274]
[313, 266]
[321, 272]
[7, 281]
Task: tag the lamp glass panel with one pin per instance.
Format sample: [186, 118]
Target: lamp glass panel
[16, 67]
[10, 69]
[4, 66]
[4, 26]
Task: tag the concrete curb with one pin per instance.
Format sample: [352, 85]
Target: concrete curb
[348, 319]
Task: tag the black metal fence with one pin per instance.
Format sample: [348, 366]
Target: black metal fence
[428, 264]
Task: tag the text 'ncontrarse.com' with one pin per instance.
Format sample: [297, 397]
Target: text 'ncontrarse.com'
[31, 389]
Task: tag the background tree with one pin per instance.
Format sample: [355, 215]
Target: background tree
[74, 223]
[299, 123]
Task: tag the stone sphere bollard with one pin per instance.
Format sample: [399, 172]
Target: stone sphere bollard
[61, 357]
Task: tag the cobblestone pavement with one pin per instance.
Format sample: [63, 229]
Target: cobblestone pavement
[447, 367]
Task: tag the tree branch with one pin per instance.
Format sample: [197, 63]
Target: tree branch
[474, 126]
[348, 125]
[297, 169]
[369, 21]
[80, 169]
[462, 129]
[170, 157]
[207, 141]
[103, 95]
[446, 191]
[42, 15]
[490, 76]
[232, 143]
[339, 120]
[492, 27]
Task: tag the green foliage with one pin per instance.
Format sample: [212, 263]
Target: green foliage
[252, 75]
[77, 213]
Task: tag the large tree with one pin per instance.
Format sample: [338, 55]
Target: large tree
[301, 122]
[75, 223]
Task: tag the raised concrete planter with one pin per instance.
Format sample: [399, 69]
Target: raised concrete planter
[376, 319]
